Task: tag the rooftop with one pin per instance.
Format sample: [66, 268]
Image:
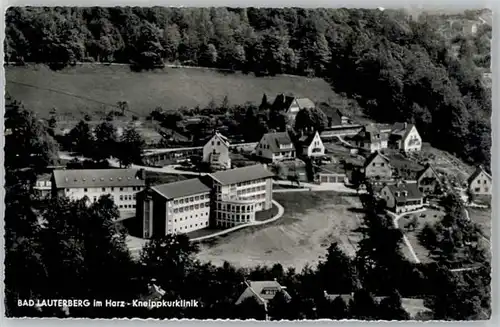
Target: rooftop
[242, 174]
[181, 188]
[278, 138]
[405, 191]
[78, 178]
[476, 173]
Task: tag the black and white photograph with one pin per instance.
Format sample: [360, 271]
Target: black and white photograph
[244, 163]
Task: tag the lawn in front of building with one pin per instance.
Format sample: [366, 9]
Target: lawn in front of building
[430, 216]
[310, 223]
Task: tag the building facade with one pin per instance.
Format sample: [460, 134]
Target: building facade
[371, 139]
[121, 184]
[377, 166]
[402, 197]
[480, 182]
[216, 152]
[240, 193]
[312, 145]
[43, 186]
[291, 106]
[274, 147]
[405, 137]
[428, 180]
[173, 208]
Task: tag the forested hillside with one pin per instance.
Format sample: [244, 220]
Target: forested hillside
[396, 67]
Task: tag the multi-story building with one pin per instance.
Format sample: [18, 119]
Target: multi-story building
[405, 137]
[240, 193]
[428, 180]
[480, 182]
[121, 184]
[275, 147]
[216, 152]
[402, 197]
[291, 106]
[377, 166]
[371, 139]
[173, 208]
[312, 145]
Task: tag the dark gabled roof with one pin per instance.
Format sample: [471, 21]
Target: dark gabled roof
[306, 140]
[411, 189]
[423, 171]
[242, 174]
[277, 138]
[83, 178]
[181, 188]
[476, 173]
[401, 130]
[372, 156]
[288, 100]
[370, 132]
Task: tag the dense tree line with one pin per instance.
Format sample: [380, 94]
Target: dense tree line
[398, 68]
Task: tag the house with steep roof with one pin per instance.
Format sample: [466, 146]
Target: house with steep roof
[240, 193]
[275, 146]
[371, 139]
[216, 152]
[402, 197]
[405, 137]
[121, 184]
[480, 182]
[428, 180]
[291, 105]
[173, 208]
[377, 166]
[263, 292]
[312, 145]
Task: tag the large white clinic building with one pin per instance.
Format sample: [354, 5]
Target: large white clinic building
[173, 208]
[121, 184]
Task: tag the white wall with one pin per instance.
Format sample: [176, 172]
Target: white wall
[195, 213]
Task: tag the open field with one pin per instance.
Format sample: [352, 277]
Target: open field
[483, 218]
[97, 88]
[431, 216]
[311, 222]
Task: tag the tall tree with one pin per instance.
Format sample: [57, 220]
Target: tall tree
[130, 147]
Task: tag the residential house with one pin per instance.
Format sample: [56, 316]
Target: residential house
[121, 184]
[480, 182]
[428, 180]
[291, 106]
[402, 197]
[240, 193]
[178, 207]
[377, 166]
[275, 146]
[312, 146]
[216, 152]
[337, 118]
[405, 137]
[263, 292]
[371, 139]
[43, 186]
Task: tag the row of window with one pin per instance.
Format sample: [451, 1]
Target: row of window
[239, 218]
[127, 197]
[190, 217]
[190, 226]
[126, 206]
[234, 207]
[479, 181]
[192, 207]
[252, 190]
[257, 181]
[191, 199]
[112, 189]
[254, 197]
